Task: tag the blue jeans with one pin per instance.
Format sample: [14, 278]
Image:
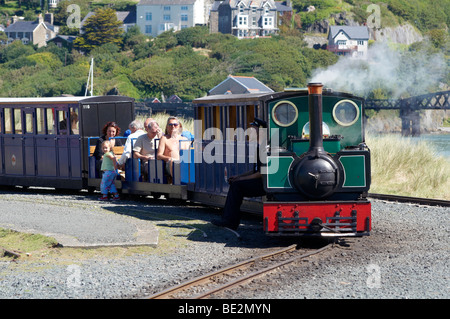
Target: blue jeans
[107, 184]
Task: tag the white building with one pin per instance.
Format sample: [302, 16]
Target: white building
[51, 3]
[348, 40]
[36, 32]
[156, 16]
[248, 18]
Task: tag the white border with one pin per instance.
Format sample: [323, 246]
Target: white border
[289, 169]
[364, 163]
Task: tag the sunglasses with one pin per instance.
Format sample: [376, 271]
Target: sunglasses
[173, 124]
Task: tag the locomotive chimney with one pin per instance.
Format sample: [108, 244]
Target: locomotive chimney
[315, 118]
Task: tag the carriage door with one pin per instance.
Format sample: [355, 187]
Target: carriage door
[67, 142]
[12, 142]
[28, 140]
[96, 112]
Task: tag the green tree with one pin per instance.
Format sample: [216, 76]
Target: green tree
[440, 39]
[165, 41]
[133, 37]
[194, 37]
[156, 77]
[46, 59]
[101, 28]
[15, 50]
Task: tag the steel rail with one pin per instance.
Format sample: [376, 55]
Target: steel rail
[413, 200]
[258, 273]
[204, 278]
[245, 264]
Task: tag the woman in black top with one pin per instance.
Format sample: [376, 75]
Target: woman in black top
[109, 131]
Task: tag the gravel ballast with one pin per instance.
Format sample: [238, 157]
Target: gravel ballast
[406, 255]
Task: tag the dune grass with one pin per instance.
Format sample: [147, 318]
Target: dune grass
[401, 166]
[161, 118]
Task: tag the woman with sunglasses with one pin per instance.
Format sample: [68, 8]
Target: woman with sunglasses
[169, 145]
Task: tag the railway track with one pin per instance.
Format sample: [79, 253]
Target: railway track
[218, 281]
[413, 200]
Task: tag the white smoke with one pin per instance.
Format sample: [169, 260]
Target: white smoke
[401, 73]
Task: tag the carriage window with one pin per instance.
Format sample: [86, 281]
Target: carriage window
[17, 121]
[63, 125]
[216, 127]
[8, 126]
[346, 112]
[40, 120]
[285, 113]
[250, 114]
[29, 123]
[50, 121]
[74, 129]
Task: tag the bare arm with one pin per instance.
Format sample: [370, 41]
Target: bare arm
[161, 149]
[140, 156]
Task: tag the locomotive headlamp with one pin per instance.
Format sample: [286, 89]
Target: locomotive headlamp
[325, 130]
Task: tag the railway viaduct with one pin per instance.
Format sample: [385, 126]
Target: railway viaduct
[410, 108]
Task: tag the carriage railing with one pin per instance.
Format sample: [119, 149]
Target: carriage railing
[93, 169]
[217, 160]
[183, 170]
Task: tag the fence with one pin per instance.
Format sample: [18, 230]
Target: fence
[176, 109]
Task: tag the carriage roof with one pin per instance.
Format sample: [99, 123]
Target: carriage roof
[64, 99]
[255, 97]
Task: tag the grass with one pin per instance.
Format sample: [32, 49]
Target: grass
[24, 243]
[401, 166]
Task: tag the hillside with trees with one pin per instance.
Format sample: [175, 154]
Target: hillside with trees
[189, 62]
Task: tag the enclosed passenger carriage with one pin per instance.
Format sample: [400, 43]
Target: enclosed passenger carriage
[316, 167]
[45, 141]
[225, 145]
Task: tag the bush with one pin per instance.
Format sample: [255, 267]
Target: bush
[15, 50]
[46, 59]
